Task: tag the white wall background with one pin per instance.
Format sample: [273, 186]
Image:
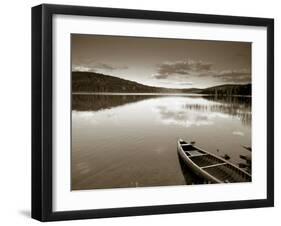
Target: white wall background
[15, 118]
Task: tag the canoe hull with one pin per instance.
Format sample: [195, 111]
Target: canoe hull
[186, 152]
[197, 170]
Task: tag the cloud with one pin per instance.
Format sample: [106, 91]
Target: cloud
[93, 67]
[242, 75]
[185, 67]
[109, 67]
[190, 69]
[80, 68]
[185, 83]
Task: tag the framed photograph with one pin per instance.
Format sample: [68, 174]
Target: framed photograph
[146, 112]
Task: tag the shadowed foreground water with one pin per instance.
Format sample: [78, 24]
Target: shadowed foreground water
[130, 140]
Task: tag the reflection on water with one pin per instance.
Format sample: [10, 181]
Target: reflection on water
[239, 107]
[100, 102]
[130, 141]
[202, 110]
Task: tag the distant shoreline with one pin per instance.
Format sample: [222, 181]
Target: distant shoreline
[84, 82]
[138, 94]
[153, 94]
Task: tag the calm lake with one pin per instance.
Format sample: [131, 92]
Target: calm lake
[130, 140]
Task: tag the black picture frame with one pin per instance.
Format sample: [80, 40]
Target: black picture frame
[42, 111]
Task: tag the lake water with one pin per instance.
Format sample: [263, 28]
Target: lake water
[130, 140]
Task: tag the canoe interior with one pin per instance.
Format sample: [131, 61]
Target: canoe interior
[205, 160]
[228, 173]
[216, 167]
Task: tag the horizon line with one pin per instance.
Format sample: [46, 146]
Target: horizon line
[226, 84]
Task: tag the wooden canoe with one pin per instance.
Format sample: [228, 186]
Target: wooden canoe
[209, 166]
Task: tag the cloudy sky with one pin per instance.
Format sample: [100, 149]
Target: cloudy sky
[174, 63]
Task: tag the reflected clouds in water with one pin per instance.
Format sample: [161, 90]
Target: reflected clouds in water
[183, 111]
[182, 117]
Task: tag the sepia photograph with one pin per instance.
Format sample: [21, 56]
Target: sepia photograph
[159, 112]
